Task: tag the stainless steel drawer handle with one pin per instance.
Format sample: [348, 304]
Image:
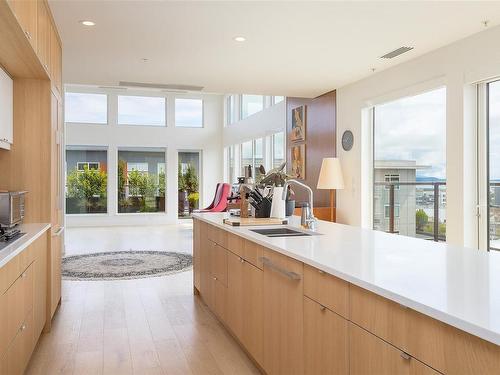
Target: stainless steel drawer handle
[242, 260]
[59, 231]
[290, 274]
[23, 275]
[322, 308]
[23, 327]
[215, 278]
[405, 355]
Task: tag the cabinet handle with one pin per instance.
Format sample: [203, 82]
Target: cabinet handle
[321, 272]
[215, 278]
[405, 355]
[28, 34]
[23, 275]
[59, 231]
[23, 327]
[290, 274]
[322, 308]
[242, 260]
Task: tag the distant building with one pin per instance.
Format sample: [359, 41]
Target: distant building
[405, 199]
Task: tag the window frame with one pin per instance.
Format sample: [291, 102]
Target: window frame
[83, 92]
[117, 108]
[241, 105]
[202, 113]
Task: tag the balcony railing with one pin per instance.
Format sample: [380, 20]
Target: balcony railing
[416, 209]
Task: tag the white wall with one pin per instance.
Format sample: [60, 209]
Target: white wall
[458, 67]
[208, 140]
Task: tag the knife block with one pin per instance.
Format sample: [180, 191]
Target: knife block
[264, 210]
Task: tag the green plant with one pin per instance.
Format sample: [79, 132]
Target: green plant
[86, 184]
[135, 180]
[181, 182]
[122, 171]
[190, 179]
[193, 199]
[421, 219]
[161, 184]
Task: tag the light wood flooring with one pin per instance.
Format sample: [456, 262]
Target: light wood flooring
[144, 326]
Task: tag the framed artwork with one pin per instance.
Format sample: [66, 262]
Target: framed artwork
[299, 161]
[298, 124]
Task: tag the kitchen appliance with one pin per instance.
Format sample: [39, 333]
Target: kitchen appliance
[11, 208]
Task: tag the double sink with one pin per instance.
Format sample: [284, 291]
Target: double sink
[282, 232]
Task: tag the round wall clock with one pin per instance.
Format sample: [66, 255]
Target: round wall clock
[347, 140]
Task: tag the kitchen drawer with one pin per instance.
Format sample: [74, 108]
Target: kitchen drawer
[19, 352]
[327, 290]
[253, 253]
[16, 302]
[380, 316]
[235, 244]
[11, 271]
[219, 236]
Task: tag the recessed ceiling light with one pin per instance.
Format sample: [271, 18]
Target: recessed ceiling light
[87, 23]
[240, 38]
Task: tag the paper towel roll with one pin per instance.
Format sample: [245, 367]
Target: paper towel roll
[278, 204]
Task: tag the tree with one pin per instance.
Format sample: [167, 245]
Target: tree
[161, 184]
[122, 171]
[191, 180]
[181, 182]
[421, 219]
[87, 184]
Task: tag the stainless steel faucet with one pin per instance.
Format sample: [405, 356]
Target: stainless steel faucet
[307, 218]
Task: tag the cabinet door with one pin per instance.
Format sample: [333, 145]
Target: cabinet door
[326, 341]
[235, 294]
[253, 311]
[206, 284]
[370, 355]
[43, 34]
[55, 62]
[26, 14]
[40, 292]
[197, 225]
[19, 353]
[283, 314]
[55, 274]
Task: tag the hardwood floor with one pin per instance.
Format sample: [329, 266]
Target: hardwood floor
[144, 326]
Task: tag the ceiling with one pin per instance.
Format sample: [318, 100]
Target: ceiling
[291, 48]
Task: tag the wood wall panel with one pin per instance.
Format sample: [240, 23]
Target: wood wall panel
[320, 140]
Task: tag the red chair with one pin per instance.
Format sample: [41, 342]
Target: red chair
[219, 203]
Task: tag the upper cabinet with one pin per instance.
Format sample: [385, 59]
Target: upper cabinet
[7, 112]
[26, 14]
[55, 59]
[44, 27]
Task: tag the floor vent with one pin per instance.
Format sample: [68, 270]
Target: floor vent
[396, 52]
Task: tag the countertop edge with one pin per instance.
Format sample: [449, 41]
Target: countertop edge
[444, 317]
[24, 242]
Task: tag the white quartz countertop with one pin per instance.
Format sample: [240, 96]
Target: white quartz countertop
[456, 285]
[33, 231]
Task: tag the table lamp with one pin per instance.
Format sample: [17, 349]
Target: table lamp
[330, 177]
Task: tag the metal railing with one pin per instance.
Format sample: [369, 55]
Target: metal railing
[432, 202]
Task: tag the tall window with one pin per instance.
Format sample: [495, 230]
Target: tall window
[231, 164]
[246, 155]
[189, 113]
[410, 166]
[188, 182]
[494, 165]
[278, 99]
[86, 108]
[230, 110]
[141, 181]
[258, 156]
[141, 110]
[86, 180]
[278, 149]
[251, 104]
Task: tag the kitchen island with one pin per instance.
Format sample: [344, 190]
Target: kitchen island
[350, 300]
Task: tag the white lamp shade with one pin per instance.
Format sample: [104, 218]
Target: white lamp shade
[330, 175]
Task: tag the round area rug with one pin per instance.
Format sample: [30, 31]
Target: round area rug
[123, 265]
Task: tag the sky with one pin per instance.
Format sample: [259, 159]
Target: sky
[414, 128]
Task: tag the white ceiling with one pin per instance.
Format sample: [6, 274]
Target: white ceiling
[292, 48]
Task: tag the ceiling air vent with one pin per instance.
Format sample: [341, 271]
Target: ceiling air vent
[396, 52]
[168, 86]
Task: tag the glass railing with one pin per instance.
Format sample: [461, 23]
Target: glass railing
[414, 209]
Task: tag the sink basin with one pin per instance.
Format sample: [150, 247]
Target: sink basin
[280, 232]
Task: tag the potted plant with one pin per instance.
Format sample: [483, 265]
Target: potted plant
[181, 188]
[278, 177]
[193, 199]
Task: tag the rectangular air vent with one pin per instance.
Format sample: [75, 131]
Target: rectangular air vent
[168, 86]
[396, 52]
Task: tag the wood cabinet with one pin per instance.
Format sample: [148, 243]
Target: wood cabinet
[326, 340]
[44, 27]
[245, 311]
[283, 314]
[23, 306]
[198, 233]
[6, 114]
[26, 14]
[55, 64]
